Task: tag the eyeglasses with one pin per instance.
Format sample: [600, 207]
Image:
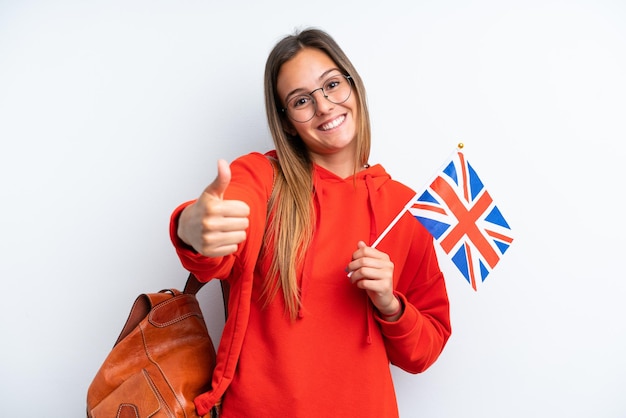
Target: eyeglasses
[302, 107]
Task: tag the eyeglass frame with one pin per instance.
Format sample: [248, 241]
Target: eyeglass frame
[346, 76]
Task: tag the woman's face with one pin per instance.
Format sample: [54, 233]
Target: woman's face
[330, 134]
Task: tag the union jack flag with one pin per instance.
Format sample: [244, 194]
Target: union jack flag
[462, 217]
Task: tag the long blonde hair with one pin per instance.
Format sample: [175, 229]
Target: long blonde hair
[291, 227]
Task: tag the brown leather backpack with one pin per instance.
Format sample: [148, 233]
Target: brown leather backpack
[163, 358]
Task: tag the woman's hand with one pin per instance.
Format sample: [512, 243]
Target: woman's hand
[214, 226]
[372, 270]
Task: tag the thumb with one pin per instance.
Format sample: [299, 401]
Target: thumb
[219, 185]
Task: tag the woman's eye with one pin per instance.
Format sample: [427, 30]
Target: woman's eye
[332, 84]
[300, 101]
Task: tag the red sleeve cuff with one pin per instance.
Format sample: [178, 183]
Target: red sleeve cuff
[404, 325]
[178, 243]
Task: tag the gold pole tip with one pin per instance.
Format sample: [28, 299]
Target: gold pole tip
[460, 145]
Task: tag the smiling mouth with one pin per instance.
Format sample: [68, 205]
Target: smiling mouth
[333, 124]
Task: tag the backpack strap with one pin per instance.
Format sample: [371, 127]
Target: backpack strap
[193, 285]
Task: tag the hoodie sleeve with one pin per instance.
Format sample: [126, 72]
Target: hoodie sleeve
[252, 178]
[416, 339]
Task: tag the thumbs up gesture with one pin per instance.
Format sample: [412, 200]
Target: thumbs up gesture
[214, 226]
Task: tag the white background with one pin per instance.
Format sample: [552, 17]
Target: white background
[114, 112]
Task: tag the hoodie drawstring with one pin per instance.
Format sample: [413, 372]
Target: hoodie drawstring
[371, 192]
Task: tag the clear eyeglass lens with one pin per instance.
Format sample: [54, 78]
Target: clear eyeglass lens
[336, 89]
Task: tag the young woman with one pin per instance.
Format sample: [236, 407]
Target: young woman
[315, 314]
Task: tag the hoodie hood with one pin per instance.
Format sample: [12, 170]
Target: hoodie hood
[370, 179]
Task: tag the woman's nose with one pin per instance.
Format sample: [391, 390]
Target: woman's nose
[322, 104]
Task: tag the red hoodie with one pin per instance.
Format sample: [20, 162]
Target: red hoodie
[333, 360]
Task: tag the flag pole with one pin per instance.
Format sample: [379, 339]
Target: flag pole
[404, 209]
[408, 205]
[395, 221]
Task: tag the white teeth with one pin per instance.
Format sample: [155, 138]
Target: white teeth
[333, 124]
